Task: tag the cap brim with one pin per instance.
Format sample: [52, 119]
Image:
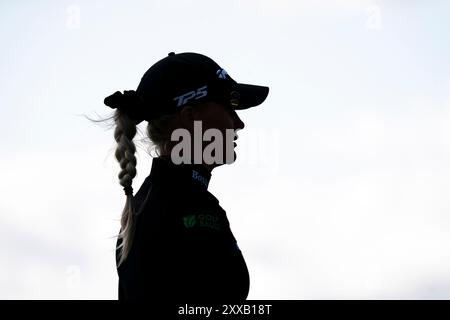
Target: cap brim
[250, 95]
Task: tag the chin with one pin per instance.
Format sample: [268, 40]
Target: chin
[234, 158]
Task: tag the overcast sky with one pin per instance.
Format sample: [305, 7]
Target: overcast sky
[342, 181]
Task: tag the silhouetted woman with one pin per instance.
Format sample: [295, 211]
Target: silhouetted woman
[175, 242]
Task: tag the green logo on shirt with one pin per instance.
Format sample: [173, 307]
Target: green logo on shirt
[189, 221]
[202, 220]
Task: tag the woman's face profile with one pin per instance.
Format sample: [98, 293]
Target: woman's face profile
[213, 115]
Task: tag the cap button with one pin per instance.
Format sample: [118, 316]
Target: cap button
[171, 53]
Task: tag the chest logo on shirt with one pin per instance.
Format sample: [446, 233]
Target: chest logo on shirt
[201, 220]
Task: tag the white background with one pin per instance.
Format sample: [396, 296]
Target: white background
[341, 186]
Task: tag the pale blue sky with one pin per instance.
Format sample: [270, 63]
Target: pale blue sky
[341, 185]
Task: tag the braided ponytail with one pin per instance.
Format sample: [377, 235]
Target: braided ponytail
[129, 112]
[124, 132]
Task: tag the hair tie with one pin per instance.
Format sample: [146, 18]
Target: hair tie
[129, 102]
[128, 190]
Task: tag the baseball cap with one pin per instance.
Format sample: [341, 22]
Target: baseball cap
[181, 79]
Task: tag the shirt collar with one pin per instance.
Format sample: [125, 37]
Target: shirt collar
[189, 175]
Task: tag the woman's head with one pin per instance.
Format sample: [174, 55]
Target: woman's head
[180, 90]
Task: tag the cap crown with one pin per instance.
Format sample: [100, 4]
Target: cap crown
[180, 79]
